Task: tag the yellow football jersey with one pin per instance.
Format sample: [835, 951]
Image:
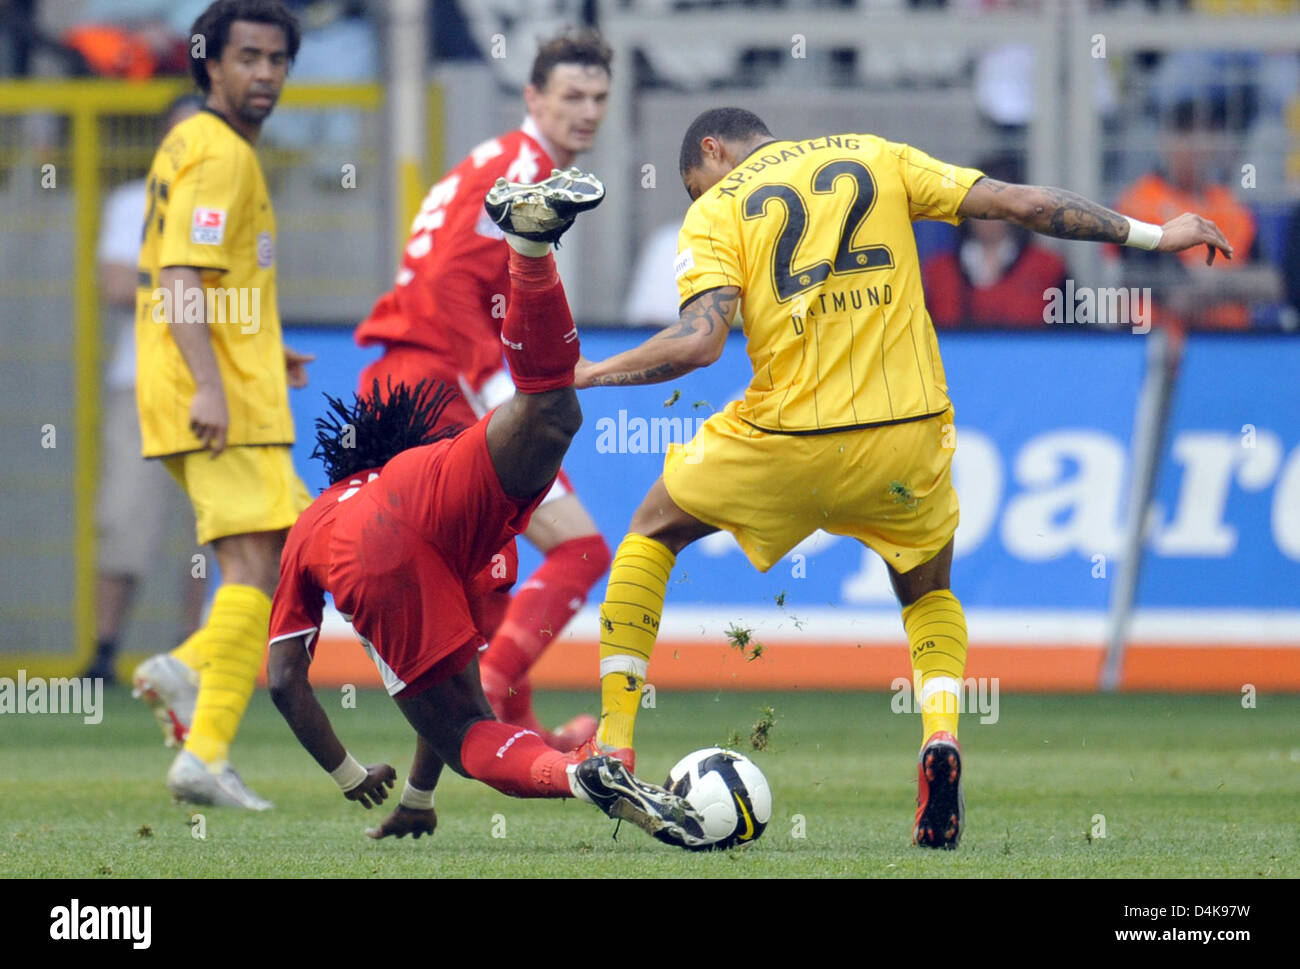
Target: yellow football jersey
[817, 234]
[208, 207]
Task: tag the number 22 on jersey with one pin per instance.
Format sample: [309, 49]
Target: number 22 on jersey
[787, 279]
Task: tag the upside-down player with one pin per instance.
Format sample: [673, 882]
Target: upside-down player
[415, 510]
[442, 321]
[846, 424]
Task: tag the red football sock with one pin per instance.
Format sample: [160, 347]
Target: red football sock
[517, 707]
[545, 603]
[540, 339]
[511, 701]
[531, 272]
[514, 761]
[537, 614]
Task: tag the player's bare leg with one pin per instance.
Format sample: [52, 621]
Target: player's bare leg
[527, 437]
[629, 616]
[252, 559]
[936, 634]
[444, 713]
[660, 518]
[934, 575]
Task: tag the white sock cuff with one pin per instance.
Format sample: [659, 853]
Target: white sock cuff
[940, 684]
[623, 664]
[528, 247]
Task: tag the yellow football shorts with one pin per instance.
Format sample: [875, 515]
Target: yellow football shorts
[244, 489]
[890, 487]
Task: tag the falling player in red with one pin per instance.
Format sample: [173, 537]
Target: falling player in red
[415, 510]
[442, 321]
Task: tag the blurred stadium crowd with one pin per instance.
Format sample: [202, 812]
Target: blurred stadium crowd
[1216, 131]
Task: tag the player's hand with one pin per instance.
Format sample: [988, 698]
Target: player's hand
[404, 821]
[209, 419]
[295, 364]
[374, 789]
[1189, 230]
[582, 373]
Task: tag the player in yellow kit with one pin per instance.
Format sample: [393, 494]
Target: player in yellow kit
[213, 378]
[846, 424]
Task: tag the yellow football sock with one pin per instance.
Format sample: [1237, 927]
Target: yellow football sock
[190, 652]
[629, 623]
[233, 642]
[936, 634]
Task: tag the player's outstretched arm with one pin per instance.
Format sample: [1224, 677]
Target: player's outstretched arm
[1068, 215]
[694, 341]
[286, 671]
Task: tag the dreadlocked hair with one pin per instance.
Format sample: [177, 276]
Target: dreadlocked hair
[375, 429]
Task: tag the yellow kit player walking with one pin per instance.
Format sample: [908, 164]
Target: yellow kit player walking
[846, 424]
[213, 378]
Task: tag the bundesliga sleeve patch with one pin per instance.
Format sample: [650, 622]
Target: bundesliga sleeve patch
[208, 227]
[685, 261]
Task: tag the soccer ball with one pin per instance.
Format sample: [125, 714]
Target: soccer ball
[729, 792]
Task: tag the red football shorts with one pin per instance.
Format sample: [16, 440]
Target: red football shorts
[489, 596]
[407, 553]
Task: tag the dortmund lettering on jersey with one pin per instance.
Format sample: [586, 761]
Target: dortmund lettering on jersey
[208, 207]
[817, 234]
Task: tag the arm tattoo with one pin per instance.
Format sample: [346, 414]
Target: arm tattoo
[650, 375]
[703, 315]
[1068, 215]
[708, 315]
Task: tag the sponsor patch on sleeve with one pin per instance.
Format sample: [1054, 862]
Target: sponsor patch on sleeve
[208, 226]
[685, 260]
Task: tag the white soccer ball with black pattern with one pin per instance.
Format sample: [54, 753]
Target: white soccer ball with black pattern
[729, 792]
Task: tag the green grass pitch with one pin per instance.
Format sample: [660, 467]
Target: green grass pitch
[1189, 786]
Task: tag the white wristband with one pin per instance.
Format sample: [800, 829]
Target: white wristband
[1143, 235]
[348, 774]
[416, 799]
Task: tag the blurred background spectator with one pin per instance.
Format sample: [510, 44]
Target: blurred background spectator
[997, 273]
[339, 45]
[134, 39]
[1191, 179]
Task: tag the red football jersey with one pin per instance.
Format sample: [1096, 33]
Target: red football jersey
[410, 553]
[304, 564]
[450, 291]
